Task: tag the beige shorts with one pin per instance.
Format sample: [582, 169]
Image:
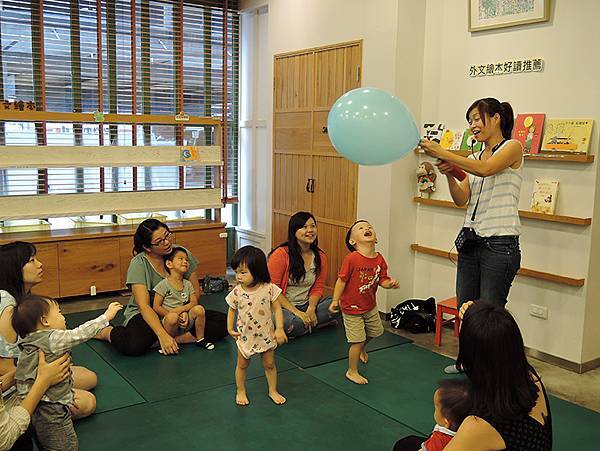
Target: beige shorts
[359, 327]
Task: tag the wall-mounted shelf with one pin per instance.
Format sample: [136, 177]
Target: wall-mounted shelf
[573, 220]
[525, 272]
[558, 157]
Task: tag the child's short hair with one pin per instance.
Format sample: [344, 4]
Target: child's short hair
[456, 400]
[28, 313]
[171, 255]
[351, 247]
[255, 261]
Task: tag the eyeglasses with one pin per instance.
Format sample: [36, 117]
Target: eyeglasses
[166, 239]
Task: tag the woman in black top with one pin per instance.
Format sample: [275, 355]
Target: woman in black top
[510, 406]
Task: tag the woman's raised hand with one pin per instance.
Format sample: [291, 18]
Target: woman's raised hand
[431, 148]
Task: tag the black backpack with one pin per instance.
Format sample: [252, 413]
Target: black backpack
[212, 285]
[415, 315]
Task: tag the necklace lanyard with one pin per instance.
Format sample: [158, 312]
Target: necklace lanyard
[495, 148]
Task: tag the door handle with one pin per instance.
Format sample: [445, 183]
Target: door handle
[310, 185]
[325, 130]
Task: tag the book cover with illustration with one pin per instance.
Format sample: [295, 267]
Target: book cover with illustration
[567, 135]
[451, 139]
[544, 195]
[528, 130]
[433, 131]
[469, 140]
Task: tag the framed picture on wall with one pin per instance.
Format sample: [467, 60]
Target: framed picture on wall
[490, 14]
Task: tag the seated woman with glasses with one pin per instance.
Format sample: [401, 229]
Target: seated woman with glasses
[143, 327]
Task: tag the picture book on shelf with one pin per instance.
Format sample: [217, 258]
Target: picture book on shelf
[544, 195]
[528, 130]
[567, 135]
[451, 139]
[433, 131]
[469, 140]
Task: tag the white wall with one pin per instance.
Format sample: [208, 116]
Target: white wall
[255, 141]
[563, 89]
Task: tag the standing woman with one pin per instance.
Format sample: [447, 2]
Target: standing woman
[20, 271]
[490, 259]
[142, 327]
[299, 268]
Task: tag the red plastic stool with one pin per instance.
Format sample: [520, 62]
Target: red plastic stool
[446, 306]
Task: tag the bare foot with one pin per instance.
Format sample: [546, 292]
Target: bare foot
[104, 334]
[364, 357]
[241, 399]
[277, 398]
[356, 378]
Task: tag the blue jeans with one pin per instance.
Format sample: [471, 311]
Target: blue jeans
[294, 327]
[487, 270]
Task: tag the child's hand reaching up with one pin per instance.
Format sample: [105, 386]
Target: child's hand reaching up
[280, 336]
[234, 334]
[112, 310]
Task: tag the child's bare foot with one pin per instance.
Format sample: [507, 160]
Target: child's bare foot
[241, 399]
[277, 398]
[104, 334]
[364, 357]
[356, 378]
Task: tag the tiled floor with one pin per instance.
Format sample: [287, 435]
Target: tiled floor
[582, 389]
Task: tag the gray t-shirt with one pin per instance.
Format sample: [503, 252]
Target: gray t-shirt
[298, 293]
[172, 297]
[7, 350]
[142, 272]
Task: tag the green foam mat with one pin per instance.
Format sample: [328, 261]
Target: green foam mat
[402, 380]
[573, 426]
[112, 392]
[328, 345]
[316, 417]
[157, 377]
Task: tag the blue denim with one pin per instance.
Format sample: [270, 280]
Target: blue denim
[487, 270]
[294, 327]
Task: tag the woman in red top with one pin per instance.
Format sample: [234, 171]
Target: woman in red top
[299, 268]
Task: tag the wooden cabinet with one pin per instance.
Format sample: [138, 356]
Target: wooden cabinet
[74, 260]
[208, 247]
[88, 263]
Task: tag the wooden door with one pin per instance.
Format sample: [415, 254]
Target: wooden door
[292, 136]
[303, 151]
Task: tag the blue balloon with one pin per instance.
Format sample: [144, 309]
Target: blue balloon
[371, 127]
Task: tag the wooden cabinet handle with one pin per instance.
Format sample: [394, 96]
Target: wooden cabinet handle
[325, 130]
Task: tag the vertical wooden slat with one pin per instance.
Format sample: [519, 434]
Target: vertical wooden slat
[225, 144]
[178, 58]
[134, 86]
[39, 81]
[207, 84]
[100, 81]
[111, 51]
[76, 83]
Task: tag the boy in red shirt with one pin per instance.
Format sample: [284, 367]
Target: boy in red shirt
[362, 271]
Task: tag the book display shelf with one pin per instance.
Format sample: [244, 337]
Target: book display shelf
[563, 219]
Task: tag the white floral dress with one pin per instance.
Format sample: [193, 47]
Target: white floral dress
[254, 318]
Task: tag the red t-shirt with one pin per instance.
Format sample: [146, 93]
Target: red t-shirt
[362, 276]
